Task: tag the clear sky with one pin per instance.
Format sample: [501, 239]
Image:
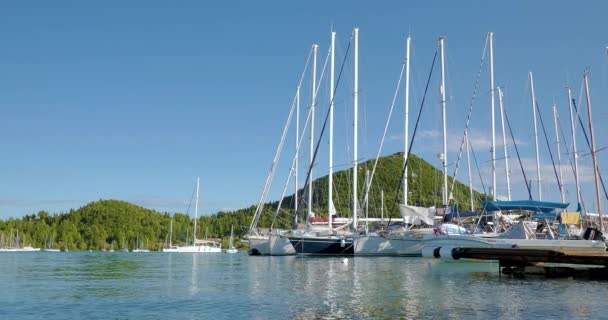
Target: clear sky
[134, 100]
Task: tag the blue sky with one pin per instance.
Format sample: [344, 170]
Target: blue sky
[133, 100]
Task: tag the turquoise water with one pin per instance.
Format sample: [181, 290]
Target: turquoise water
[222, 286]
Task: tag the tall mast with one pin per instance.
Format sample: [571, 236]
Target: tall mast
[593, 155]
[469, 171]
[559, 156]
[540, 193]
[504, 143]
[330, 178]
[382, 205]
[295, 195]
[574, 151]
[312, 130]
[170, 235]
[196, 208]
[366, 204]
[355, 119]
[407, 115]
[491, 39]
[444, 157]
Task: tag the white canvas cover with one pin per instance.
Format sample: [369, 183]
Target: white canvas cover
[417, 215]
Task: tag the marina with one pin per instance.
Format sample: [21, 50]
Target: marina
[241, 160]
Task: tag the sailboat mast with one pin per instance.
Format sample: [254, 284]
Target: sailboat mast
[315, 47]
[559, 156]
[295, 194]
[366, 204]
[593, 155]
[504, 143]
[540, 193]
[574, 151]
[195, 210]
[170, 235]
[491, 40]
[355, 120]
[444, 157]
[469, 171]
[330, 177]
[382, 205]
[407, 115]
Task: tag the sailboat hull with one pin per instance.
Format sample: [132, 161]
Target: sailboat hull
[281, 246]
[259, 245]
[271, 245]
[199, 249]
[322, 245]
[374, 245]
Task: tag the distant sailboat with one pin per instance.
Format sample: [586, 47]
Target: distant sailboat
[50, 248]
[16, 246]
[171, 247]
[231, 248]
[137, 247]
[199, 246]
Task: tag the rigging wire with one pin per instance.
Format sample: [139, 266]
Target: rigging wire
[325, 121]
[542, 124]
[409, 151]
[521, 166]
[268, 182]
[468, 122]
[588, 144]
[390, 114]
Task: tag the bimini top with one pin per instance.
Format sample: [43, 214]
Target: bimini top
[528, 205]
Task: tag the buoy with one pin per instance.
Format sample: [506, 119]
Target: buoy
[345, 261]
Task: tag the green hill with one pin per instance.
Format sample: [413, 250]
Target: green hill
[99, 224]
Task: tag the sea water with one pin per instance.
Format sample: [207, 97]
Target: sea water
[77, 285]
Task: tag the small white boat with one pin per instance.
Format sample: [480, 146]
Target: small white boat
[231, 248]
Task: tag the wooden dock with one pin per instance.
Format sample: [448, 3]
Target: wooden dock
[519, 262]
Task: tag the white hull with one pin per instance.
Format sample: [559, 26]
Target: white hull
[374, 245]
[140, 250]
[24, 249]
[232, 250]
[281, 246]
[173, 249]
[259, 245]
[198, 249]
[271, 245]
[51, 250]
[473, 241]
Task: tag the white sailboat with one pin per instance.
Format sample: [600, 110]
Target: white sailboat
[171, 247]
[199, 246]
[231, 248]
[138, 248]
[16, 246]
[274, 242]
[49, 246]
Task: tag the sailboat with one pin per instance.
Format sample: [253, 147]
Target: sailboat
[112, 247]
[325, 240]
[138, 248]
[171, 247]
[49, 246]
[274, 242]
[16, 246]
[231, 248]
[199, 246]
